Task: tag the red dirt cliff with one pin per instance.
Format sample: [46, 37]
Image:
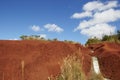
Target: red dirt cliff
[108, 55]
[36, 60]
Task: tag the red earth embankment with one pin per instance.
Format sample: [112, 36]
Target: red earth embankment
[108, 55]
[36, 60]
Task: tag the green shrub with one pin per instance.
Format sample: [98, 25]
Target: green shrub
[93, 41]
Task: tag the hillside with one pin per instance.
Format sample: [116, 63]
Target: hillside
[36, 60]
[108, 55]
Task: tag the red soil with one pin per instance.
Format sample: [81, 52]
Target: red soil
[108, 55]
[41, 58]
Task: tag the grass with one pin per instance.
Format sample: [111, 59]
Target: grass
[70, 70]
[96, 76]
[22, 65]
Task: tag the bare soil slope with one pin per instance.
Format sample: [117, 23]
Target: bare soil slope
[108, 55]
[36, 60]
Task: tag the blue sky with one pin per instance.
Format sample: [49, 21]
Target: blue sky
[62, 19]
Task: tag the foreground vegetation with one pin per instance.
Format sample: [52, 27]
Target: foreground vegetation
[72, 70]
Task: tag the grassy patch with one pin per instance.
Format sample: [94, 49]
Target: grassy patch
[70, 70]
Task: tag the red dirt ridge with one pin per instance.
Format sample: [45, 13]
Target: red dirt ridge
[37, 60]
[108, 55]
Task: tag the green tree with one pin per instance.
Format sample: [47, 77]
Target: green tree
[106, 38]
[42, 38]
[23, 37]
[55, 39]
[118, 34]
[110, 38]
[93, 40]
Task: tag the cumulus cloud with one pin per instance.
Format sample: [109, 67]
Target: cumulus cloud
[35, 28]
[110, 15]
[53, 28]
[81, 15]
[99, 23]
[98, 30]
[99, 6]
[107, 16]
[109, 5]
[92, 6]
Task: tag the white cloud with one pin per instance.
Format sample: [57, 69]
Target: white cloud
[92, 5]
[13, 39]
[97, 5]
[35, 28]
[81, 15]
[98, 24]
[109, 5]
[107, 16]
[98, 30]
[53, 28]
[110, 15]
[43, 36]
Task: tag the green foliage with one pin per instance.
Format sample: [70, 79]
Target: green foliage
[111, 38]
[106, 38]
[72, 42]
[118, 34]
[70, 70]
[55, 39]
[65, 40]
[92, 41]
[23, 37]
[32, 37]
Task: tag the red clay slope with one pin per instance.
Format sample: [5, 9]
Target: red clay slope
[108, 55]
[40, 59]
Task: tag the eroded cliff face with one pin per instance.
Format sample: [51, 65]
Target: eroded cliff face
[108, 55]
[36, 60]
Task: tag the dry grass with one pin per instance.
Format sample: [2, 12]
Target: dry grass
[70, 70]
[95, 76]
[22, 66]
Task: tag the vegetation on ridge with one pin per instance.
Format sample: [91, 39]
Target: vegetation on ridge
[106, 38]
